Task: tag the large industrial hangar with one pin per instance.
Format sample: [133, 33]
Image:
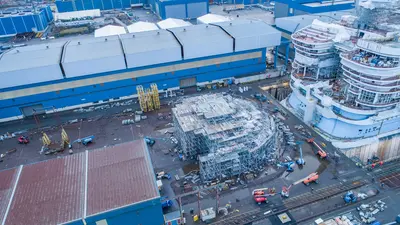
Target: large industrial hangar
[18, 21]
[88, 71]
[285, 8]
[109, 186]
[180, 9]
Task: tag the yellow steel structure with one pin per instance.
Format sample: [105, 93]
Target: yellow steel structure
[149, 100]
[156, 96]
[46, 140]
[64, 139]
[142, 98]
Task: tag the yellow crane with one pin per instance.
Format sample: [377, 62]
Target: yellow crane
[46, 140]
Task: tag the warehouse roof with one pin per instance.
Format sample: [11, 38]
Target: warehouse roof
[142, 26]
[148, 41]
[54, 191]
[203, 40]
[132, 177]
[31, 57]
[150, 47]
[92, 48]
[172, 23]
[212, 18]
[251, 34]
[49, 192]
[109, 30]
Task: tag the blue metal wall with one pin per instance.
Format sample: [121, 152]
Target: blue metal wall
[106, 91]
[283, 8]
[48, 13]
[25, 23]
[65, 6]
[183, 13]
[77, 5]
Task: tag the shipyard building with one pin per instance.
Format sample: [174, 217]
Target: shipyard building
[74, 190]
[17, 21]
[82, 72]
[180, 9]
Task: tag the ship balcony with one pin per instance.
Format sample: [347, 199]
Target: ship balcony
[313, 52]
[367, 70]
[377, 105]
[370, 64]
[372, 88]
[311, 43]
[371, 77]
[363, 80]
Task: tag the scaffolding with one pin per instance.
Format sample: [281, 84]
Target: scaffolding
[149, 100]
[156, 96]
[142, 98]
[228, 135]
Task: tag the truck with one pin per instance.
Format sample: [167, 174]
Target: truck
[206, 215]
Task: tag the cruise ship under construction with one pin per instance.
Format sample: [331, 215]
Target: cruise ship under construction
[346, 80]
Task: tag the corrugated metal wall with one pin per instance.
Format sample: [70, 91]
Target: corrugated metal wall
[188, 82]
[281, 10]
[386, 149]
[23, 23]
[182, 9]
[299, 12]
[76, 5]
[197, 9]
[175, 11]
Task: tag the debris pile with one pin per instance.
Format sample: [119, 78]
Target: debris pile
[367, 212]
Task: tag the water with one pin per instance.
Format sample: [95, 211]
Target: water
[313, 164]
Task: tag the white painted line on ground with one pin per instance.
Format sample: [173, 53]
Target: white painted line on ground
[86, 182]
[12, 195]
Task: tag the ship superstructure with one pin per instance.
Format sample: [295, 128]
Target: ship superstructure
[346, 79]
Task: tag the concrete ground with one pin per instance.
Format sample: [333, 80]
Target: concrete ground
[106, 125]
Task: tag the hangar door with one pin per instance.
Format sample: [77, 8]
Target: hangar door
[196, 9]
[188, 82]
[175, 11]
[32, 109]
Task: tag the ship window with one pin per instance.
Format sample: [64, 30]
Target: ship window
[367, 97]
